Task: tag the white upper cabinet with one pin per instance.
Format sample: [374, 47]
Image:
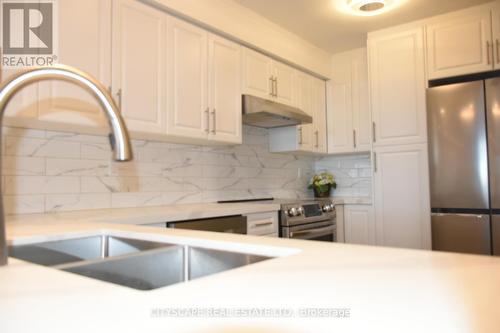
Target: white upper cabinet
[139, 82]
[460, 43]
[349, 126]
[402, 207]
[224, 79]
[495, 28]
[187, 114]
[318, 104]
[84, 40]
[360, 101]
[258, 75]
[303, 97]
[284, 83]
[267, 78]
[309, 138]
[397, 82]
[359, 226]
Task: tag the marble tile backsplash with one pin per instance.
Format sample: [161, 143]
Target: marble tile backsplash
[353, 174]
[46, 171]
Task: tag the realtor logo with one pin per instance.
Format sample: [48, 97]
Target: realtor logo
[28, 33]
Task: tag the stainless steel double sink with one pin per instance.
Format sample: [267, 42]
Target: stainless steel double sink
[135, 263]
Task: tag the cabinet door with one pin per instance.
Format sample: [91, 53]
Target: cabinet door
[139, 65]
[303, 96]
[262, 224]
[402, 209]
[257, 74]
[460, 43]
[187, 114]
[22, 109]
[398, 87]
[225, 89]
[284, 84]
[319, 116]
[358, 224]
[84, 42]
[361, 116]
[495, 22]
[349, 120]
[340, 126]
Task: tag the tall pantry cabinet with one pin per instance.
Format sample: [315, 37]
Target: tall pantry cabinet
[397, 90]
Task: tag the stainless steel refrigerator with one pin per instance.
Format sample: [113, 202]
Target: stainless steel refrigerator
[464, 166]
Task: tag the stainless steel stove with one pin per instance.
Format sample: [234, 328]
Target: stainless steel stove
[312, 219]
[308, 219]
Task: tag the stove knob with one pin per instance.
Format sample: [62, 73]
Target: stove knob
[292, 212]
[301, 210]
[328, 208]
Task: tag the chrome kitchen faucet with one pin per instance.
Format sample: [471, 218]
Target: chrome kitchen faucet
[119, 137]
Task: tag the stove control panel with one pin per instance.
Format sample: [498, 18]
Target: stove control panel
[309, 209]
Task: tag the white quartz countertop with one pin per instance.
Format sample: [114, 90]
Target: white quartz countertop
[150, 215]
[384, 289]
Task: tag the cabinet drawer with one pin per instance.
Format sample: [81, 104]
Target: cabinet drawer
[262, 223]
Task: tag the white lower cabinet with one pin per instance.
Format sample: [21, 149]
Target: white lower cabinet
[263, 224]
[359, 226]
[401, 189]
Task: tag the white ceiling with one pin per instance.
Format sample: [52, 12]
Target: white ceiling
[322, 24]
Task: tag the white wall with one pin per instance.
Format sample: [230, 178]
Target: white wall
[245, 25]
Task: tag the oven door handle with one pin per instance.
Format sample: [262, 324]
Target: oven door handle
[313, 232]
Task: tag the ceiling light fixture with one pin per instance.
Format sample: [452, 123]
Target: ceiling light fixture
[367, 7]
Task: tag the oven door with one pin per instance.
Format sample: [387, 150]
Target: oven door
[320, 231]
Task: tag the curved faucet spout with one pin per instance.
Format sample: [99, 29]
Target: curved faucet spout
[119, 137]
[120, 140]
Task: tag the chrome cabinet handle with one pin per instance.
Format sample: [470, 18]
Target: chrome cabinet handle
[271, 82]
[207, 115]
[299, 129]
[261, 224]
[214, 122]
[276, 87]
[498, 50]
[354, 137]
[119, 97]
[374, 132]
[374, 162]
[488, 53]
[317, 139]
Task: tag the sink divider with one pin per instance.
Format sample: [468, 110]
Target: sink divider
[119, 258]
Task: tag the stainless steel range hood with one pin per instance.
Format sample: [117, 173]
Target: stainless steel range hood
[263, 113]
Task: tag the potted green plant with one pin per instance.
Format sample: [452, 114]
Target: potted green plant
[322, 183]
